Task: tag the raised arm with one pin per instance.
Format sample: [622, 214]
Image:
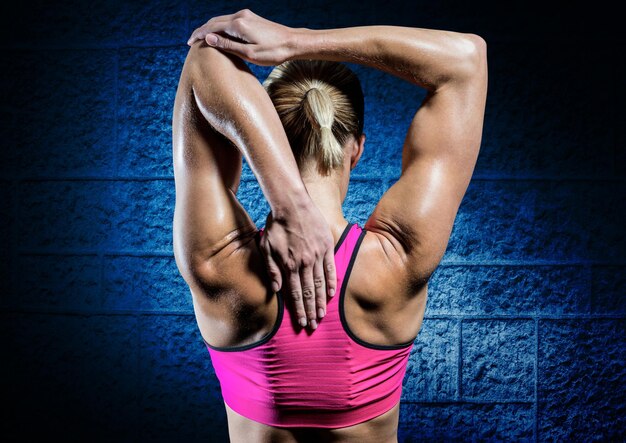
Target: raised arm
[221, 113]
[414, 218]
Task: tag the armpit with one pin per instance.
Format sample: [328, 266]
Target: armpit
[405, 251]
[402, 237]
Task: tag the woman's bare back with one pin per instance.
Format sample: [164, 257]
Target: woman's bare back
[378, 311]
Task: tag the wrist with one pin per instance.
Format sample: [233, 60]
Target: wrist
[293, 202]
[299, 43]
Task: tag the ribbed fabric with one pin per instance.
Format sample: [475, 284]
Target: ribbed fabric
[327, 378]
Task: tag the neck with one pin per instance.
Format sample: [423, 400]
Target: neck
[326, 193]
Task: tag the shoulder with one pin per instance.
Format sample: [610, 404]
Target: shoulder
[380, 270]
[383, 302]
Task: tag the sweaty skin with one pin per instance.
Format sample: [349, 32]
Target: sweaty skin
[407, 233]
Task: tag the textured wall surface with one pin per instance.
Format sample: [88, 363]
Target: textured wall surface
[523, 338]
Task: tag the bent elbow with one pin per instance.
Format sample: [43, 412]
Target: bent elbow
[473, 50]
[203, 276]
[478, 49]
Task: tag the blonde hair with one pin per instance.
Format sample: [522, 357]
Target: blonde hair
[320, 104]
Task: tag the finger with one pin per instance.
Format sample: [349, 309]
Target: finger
[210, 26]
[308, 295]
[331, 273]
[295, 294]
[320, 288]
[272, 267]
[229, 45]
[222, 27]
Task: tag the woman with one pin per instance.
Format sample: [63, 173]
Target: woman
[340, 378]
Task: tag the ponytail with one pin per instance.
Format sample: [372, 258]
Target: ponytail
[320, 104]
[323, 145]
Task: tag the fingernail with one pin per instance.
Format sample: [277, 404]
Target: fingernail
[302, 322]
[275, 286]
[320, 313]
[332, 292]
[313, 324]
[211, 39]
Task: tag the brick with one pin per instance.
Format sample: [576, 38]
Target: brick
[390, 105]
[148, 80]
[432, 372]
[608, 289]
[146, 283]
[101, 23]
[538, 220]
[362, 197]
[498, 360]
[140, 214]
[63, 106]
[62, 214]
[423, 422]
[59, 282]
[508, 290]
[580, 380]
[120, 215]
[177, 377]
[68, 372]
[541, 122]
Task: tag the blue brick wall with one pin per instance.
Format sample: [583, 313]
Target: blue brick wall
[523, 337]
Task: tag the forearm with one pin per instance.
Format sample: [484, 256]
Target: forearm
[426, 57]
[235, 103]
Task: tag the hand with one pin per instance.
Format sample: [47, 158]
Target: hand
[248, 36]
[302, 245]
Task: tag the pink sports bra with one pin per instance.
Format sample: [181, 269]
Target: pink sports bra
[327, 378]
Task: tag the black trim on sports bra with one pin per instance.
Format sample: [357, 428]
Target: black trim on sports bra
[279, 317]
[265, 339]
[343, 236]
[342, 314]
